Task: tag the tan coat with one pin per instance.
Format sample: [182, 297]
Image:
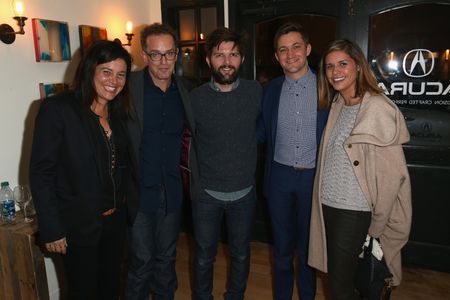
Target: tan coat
[375, 149]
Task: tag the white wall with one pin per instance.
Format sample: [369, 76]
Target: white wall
[20, 74]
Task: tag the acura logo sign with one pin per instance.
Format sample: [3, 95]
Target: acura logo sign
[416, 65]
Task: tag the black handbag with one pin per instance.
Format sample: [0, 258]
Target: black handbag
[373, 280]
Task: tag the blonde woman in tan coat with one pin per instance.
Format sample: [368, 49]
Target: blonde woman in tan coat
[362, 183]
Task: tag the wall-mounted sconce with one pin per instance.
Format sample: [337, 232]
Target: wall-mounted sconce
[129, 34]
[7, 33]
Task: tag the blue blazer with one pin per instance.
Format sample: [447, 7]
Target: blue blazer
[267, 125]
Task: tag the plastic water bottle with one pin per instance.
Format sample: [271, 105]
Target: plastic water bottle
[7, 204]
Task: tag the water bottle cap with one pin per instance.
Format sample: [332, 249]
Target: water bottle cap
[5, 183]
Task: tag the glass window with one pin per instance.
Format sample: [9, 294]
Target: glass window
[409, 53]
[195, 24]
[187, 24]
[188, 59]
[204, 74]
[208, 21]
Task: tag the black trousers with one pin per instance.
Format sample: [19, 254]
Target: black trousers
[93, 271]
[346, 231]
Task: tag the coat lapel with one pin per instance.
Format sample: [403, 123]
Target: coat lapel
[275, 106]
[138, 101]
[184, 95]
[83, 115]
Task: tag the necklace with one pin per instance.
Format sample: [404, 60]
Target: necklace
[104, 109]
[107, 132]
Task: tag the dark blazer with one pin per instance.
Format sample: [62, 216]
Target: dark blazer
[135, 127]
[65, 175]
[267, 124]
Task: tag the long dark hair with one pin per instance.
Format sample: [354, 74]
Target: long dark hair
[99, 53]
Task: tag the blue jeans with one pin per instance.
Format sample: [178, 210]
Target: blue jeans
[289, 204]
[152, 257]
[207, 213]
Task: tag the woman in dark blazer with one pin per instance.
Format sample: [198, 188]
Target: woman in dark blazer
[81, 172]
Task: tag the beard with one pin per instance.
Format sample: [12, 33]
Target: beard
[224, 79]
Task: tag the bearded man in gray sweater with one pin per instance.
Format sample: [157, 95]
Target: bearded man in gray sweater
[225, 111]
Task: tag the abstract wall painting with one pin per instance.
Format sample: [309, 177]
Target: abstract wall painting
[89, 34]
[51, 40]
[50, 89]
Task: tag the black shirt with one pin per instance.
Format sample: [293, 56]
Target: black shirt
[161, 146]
[113, 159]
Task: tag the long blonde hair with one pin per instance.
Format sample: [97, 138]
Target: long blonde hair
[365, 80]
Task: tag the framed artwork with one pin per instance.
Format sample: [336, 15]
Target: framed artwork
[51, 40]
[89, 34]
[50, 89]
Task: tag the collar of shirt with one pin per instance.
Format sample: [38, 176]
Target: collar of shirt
[217, 89]
[148, 79]
[303, 81]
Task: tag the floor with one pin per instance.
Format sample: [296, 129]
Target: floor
[417, 283]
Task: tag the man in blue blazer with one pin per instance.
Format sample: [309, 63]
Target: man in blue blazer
[291, 125]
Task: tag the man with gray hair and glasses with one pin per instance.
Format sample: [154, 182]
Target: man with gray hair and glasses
[162, 110]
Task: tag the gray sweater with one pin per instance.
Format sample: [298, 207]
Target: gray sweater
[340, 188]
[225, 135]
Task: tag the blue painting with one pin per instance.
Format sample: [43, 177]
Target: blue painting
[50, 89]
[51, 40]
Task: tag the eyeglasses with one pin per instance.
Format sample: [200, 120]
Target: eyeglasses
[156, 56]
